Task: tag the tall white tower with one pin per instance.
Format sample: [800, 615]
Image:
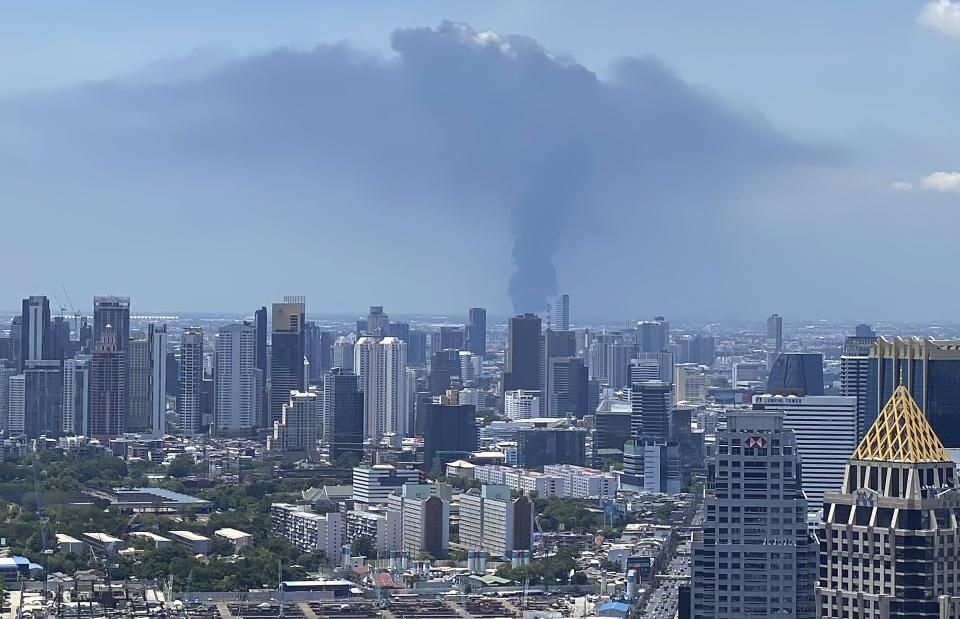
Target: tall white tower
[236, 388]
[191, 380]
[381, 365]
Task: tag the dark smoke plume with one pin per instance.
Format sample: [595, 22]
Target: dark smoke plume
[495, 126]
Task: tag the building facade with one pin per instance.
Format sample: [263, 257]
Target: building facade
[236, 378]
[755, 557]
[191, 380]
[890, 537]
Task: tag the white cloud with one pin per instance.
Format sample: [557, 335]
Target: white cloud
[901, 186]
[942, 181]
[942, 16]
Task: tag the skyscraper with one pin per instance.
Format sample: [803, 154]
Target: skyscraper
[343, 353]
[755, 558]
[139, 377]
[76, 395]
[890, 537]
[653, 335]
[43, 398]
[313, 351]
[826, 431]
[417, 348]
[566, 387]
[774, 338]
[523, 364]
[650, 403]
[609, 359]
[477, 330]
[35, 336]
[798, 373]
[191, 380]
[286, 355]
[343, 413]
[236, 376]
[158, 381]
[378, 323]
[561, 313]
[113, 311]
[5, 374]
[450, 432]
[929, 369]
[854, 375]
[108, 389]
[16, 405]
[381, 365]
[260, 321]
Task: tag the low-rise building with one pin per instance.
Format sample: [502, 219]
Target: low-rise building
[239, 539]
[194, 542]
[69, 544]
[158, 540]
[583, 483]
[493, 521]
[102, 542]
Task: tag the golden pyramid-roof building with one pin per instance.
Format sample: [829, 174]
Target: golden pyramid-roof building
[901, 433]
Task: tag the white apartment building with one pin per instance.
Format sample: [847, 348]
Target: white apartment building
[16, 405]
[582, 483]
[520, 480]
[374, 484]
[381, 364]
[191, 380]
[491, 520]
[236, 386]
[383, 527]
[308, 531]
[522, 404]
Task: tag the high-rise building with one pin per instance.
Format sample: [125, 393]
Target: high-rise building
[477, 330]
[35, 336]
[561, 313]
[690, 383]
[929, 369]
[43, 403]
[61, 346]
[566, 387]
[522, 404]
[76, 395]
[540, 446]
[260, 321]
[699, 349]
[157, 335]
[113, 311]
[286, 356]
[313, 351]
[417, 348]
[865, 331]
[108, 388]
[378, 323]
[451, 338]
[797, 373]
[774, 338]
[16, 341]
[191, 380]
[756, 557]
[16, 405]
[523, 363]
[642, 370]
[854, 375]
[5, 374]
[425, 519]
[653, 335]
[381, 365]
[236, 376]
[890, 538]
[450, 433]
[342, 413]
[491, 520]
[372, 485]
[139, 376]
[343, 353]
[651, 406]
[298, 428]
[609, 359]
[826, 431]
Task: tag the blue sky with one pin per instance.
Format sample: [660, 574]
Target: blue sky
[872, 83]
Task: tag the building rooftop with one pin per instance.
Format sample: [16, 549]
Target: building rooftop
[190, 535]
[231, 533]
[146, 495]
[103, 537]
[901, 433]
[150, 535]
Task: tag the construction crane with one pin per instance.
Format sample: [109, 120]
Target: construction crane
[76, 314]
